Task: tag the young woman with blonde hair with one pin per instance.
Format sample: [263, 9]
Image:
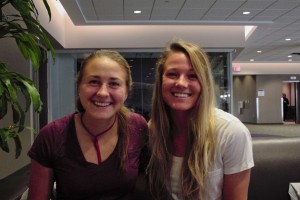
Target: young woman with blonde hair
[197, 150]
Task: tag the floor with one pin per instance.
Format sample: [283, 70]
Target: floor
[288, 129]
[14, 185]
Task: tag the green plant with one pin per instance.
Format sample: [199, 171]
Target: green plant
[24, 27]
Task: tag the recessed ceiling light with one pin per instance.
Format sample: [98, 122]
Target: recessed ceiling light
[246, 13]
[137, 12]
[289, 56]
[287, 39]
[251, 59]
[258, 51]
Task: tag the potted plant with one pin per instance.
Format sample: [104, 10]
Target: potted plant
[24, 27]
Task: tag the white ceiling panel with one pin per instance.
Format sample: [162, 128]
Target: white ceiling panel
[87, 9]
[205, 4]
[171, 4]
[138, 4]
[228, 4]
[190, 14]
[285, 5]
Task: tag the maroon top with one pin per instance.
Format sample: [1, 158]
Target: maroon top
[57, 147]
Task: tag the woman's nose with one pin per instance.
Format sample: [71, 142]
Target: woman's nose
[103, 90]
[182, 82]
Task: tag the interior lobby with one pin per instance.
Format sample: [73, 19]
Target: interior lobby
[253, 47]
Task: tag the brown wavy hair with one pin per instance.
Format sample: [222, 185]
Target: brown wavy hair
[201, 146]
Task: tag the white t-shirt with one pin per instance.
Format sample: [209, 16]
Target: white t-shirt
[233, 154]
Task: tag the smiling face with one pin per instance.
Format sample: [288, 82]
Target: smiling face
[102, 89]
[180, 85]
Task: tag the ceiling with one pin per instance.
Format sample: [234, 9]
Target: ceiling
[274, 20]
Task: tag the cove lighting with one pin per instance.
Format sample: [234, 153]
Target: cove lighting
[249, 30]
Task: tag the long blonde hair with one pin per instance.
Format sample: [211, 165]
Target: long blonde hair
[200, 149]
[123, 114]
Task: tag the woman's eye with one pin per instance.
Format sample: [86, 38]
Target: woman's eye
[193, 76]
[171, 75]
[93, 82]
[114, 84]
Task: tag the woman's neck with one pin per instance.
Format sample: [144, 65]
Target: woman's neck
[179, 133]
[180, 121]
[94, 127]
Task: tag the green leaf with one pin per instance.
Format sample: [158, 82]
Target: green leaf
[32, 130]
[3, 68]
[21, 6]
[12, 92]
[21, 119]
[18, 145]
[4, 135]
[16, 113]
[35, 96]
[48, 8]
[3, 106]
[2, 87]
[29, 47]
[27, 96]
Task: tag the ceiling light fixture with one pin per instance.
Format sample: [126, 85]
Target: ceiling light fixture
[289, 56]
[290, 60]
[137, 12]
[251, 59]
[258, 51]
[288, 39]
[246, 13]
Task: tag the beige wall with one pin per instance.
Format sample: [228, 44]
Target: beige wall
[8, 163]
[246, 87]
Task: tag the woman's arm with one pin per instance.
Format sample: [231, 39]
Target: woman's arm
[235, 186]
[40, 182]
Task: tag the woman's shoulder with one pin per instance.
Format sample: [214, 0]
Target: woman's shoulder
[137, 124]
[230, 128]
[222, 115]
[229, 125]
[137, 119]
[58, 125]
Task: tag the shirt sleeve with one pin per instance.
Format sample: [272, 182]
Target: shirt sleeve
[50, 139]
[237, 154]
[41, 150]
